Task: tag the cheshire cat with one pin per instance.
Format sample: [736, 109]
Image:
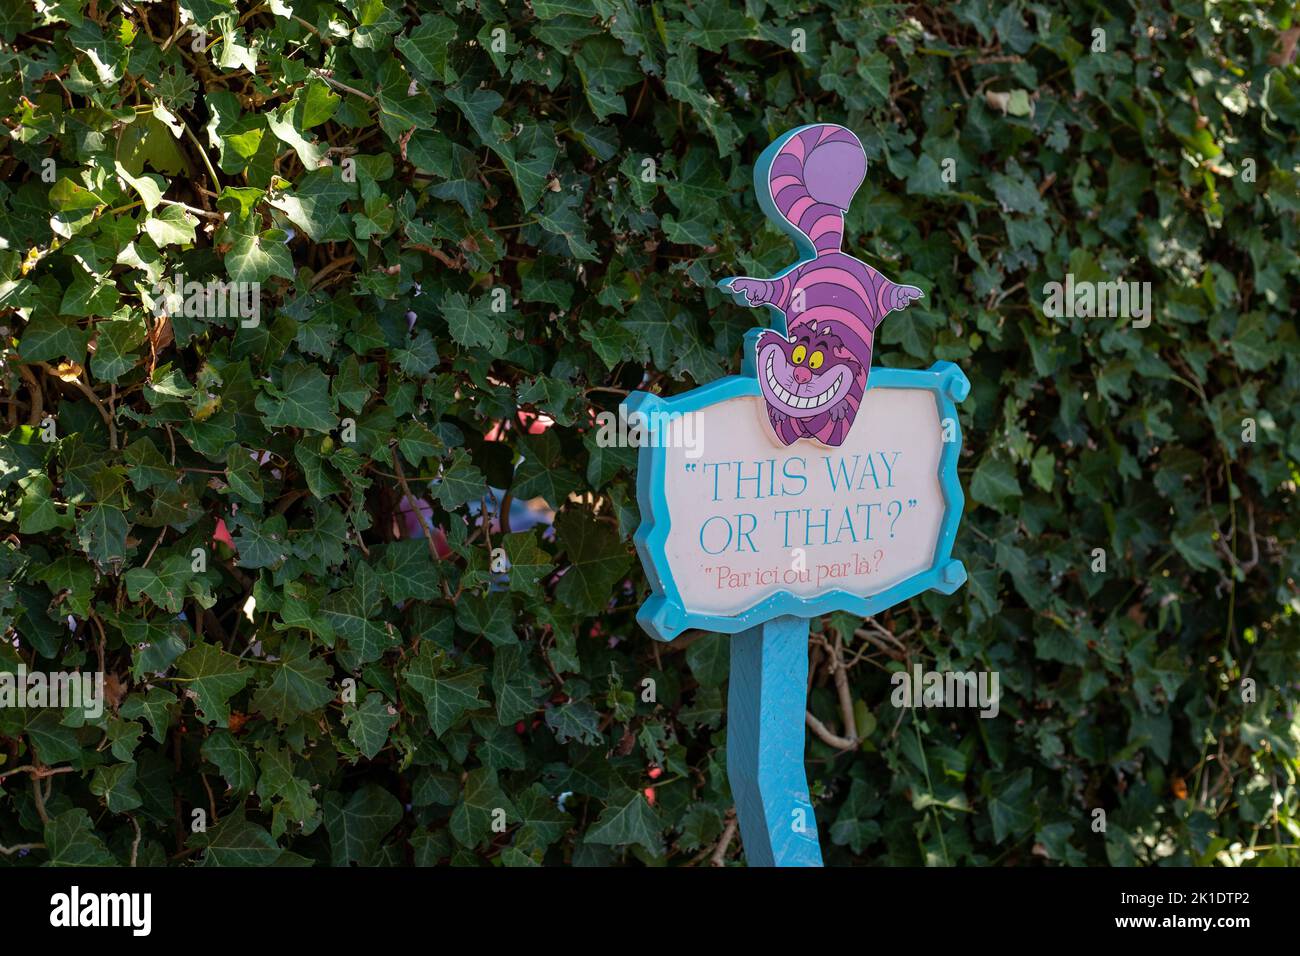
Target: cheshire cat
[813, 378]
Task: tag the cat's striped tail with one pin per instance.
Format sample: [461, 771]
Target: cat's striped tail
[813, 178]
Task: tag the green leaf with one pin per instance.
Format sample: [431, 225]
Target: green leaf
[357, 824]
[301, 401]
[515, 685]
[461, 482]
[298, 685]
[114, 784]
[236, 841]
[528, 562]
[257, 256]
[473, 325]
[405, 571]
[319, 205]
[426, 47]
[1009, 806]
[994, 483]
[545, 472]
[482, 802]
[101, 532]
[597, 560]
[232, 760]
[447, 693]
[155, 706]
[628, 819]
[70, 840]
[171, 225]
[368, 725]
[349, 616]
[213, 677]
[48, 338]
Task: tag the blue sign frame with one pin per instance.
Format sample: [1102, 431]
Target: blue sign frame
[663, 614]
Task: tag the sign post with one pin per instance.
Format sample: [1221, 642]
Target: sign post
[809, 483]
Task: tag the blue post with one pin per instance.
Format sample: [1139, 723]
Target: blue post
[766, 705]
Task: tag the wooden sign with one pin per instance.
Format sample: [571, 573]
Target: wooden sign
[808, 483]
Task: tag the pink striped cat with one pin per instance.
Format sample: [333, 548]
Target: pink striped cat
[814, 377]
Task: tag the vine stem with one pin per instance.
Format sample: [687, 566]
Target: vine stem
[925, 765]
[415, 506]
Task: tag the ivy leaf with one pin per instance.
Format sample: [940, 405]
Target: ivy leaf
[101, 532]
[461, 482]
[473, 325]
[155, 706]
[1009, 806]
[447, 693]
[994, 483]
[515, 684]
[492, 616]
[349, 615]
[528, 562]
[543, 822]
[213, 677]
[260, 544]
[405, 572]
[298, 685]
[231, 758]
[368, 725]
[481, 801]
[597, 560]
[46, 338]
[171, 225]
[574, 720]
[544, 472]
[115, 785]
[628, 819]
[237, 841]
[257, 256]
[168, 586]
[319, 205]
[358, 823]
[301, 401]
[426, 47]
[70, 840]
[38, 511]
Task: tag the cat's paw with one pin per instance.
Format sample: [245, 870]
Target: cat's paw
[904, 295]
[755, 291]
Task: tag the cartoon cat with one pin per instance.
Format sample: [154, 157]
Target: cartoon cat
[814, 377]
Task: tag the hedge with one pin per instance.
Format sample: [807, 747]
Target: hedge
[470, 228]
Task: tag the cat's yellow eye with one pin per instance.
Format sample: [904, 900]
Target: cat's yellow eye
[815, 360]
[799, 353]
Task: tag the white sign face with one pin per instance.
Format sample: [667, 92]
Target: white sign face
[739, 528]
[750, 518]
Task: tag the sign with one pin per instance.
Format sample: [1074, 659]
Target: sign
[749, 529]
[806, 484]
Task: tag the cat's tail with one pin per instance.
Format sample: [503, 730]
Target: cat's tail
[812, 178]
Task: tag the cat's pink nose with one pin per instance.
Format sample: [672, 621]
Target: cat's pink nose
[802, 375]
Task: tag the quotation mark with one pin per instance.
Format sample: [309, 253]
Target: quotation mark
[690, 466]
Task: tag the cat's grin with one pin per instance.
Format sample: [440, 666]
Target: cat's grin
[802, 406]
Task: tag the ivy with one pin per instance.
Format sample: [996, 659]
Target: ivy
[307, 311]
